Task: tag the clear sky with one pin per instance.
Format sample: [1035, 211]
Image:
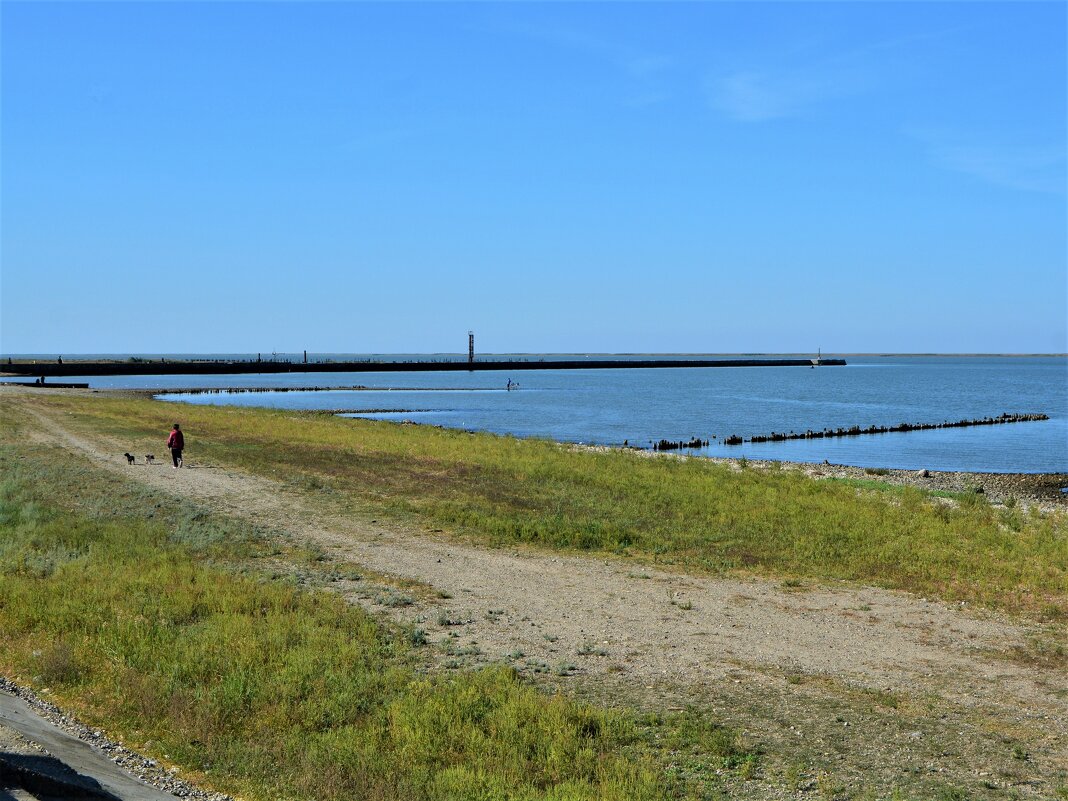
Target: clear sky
[691, 177]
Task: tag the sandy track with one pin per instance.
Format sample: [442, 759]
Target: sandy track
[649, 625]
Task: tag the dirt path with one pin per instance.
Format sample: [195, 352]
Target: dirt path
[614, 618]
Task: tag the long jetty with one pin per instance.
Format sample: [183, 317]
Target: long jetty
[852, 431]
[856, 431]
[169, 367]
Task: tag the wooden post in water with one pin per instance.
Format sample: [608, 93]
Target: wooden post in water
[470, 347]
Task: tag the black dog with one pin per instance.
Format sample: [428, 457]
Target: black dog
[129, 458]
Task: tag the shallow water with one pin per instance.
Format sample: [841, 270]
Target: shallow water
[640, 406]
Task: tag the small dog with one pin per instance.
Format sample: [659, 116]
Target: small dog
[150, 457]
[129, 458]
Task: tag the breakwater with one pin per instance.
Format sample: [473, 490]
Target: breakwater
[168, 367]
[855, 431]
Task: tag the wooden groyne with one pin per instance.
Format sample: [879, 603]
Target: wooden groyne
[668, 445]
[168, 367]
[855, 431]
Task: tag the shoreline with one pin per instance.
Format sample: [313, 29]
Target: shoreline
[1040, 488]
[1043, 489]
[902, 474]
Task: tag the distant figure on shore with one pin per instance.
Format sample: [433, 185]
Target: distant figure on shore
[176, 442]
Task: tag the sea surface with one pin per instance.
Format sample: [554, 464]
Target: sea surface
[639, 406]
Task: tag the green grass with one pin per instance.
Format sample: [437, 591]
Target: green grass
[689, 512]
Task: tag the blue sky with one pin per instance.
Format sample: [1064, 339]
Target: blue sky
[691, 177]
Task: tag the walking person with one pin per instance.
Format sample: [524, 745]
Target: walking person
[176, 442]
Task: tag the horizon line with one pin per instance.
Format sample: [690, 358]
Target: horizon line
[463, 355]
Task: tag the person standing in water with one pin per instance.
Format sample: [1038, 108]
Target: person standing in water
[176, 442]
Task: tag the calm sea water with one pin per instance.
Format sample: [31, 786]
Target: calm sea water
[610, 406]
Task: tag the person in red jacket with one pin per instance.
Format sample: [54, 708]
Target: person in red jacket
[176, 442]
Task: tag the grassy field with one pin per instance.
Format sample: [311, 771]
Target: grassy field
[182, 632]
[702, 515]
[148, 618]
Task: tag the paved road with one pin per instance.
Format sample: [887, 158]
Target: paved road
[63, 768]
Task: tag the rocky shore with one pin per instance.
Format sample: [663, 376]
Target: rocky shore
[1044, 490]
